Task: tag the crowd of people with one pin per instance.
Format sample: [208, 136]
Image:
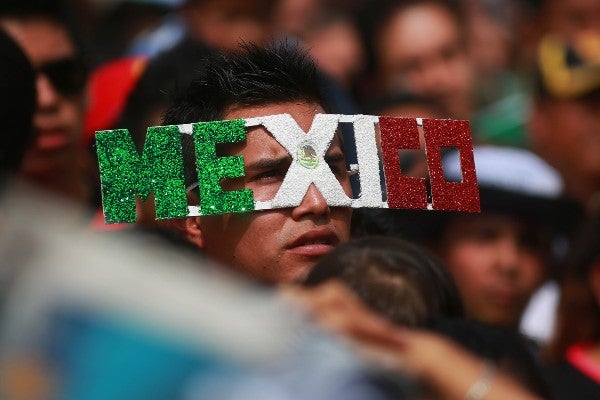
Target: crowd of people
[378, 303]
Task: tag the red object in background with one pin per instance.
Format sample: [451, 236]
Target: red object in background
[109, 87]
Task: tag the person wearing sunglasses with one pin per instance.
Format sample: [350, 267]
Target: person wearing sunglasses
[55, 160]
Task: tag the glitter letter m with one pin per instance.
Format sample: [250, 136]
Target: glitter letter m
[125, 175]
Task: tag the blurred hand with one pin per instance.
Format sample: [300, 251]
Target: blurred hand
[450, 370]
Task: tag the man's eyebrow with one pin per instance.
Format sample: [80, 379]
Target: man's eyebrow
[269, 163]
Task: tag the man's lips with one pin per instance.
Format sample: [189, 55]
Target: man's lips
[314, 243]
[51, 139]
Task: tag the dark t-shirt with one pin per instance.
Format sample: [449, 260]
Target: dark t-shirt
[567, 382]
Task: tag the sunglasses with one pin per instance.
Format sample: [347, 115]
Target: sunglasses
[67, 75]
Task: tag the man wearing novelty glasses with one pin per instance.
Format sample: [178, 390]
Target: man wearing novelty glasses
[54, 160]
[277, 245]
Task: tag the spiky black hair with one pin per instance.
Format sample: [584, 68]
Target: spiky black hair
[256, 76]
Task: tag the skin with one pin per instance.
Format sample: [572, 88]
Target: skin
[490, 41]
[565, 133]
[54, 158]
[290, 17]
[337, 51]
[494, 265]
[278, 245]
[420, 50]
[224, 24]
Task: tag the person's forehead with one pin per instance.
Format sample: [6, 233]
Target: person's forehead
[417, 23]
[42, 39]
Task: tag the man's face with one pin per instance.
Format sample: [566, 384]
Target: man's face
[278, 245]
[496, 263]
[566, 134]
[420, 51]
[59, 117]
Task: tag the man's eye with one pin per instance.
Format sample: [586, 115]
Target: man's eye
[270, 174]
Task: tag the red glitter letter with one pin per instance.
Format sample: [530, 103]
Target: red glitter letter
[402, 191]
[451, 196]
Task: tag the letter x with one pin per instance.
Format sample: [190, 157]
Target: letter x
[298, 178]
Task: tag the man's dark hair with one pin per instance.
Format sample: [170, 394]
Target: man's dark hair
[256, 76]
[398, 279]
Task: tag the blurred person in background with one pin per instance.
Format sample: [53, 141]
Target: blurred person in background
[406, 284]
[565, 117]
[500, 257]
[398, 279]
[291, 17]
[490, 25]
[421, 47]
[520, 27]
[224, 24]
[502, 84]
[497, 258]
[563, 121]
[149, 27]
[409, 286]
[574, 356]
[334, 43]
[446, 369]
[55, 160]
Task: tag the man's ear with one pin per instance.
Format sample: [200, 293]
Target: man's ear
[192, 230]
[189, 228]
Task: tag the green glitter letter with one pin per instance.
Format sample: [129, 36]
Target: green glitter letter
[125, 175]
[211, 169]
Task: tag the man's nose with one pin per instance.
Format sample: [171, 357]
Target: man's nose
[47, 96]
[313, 203]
